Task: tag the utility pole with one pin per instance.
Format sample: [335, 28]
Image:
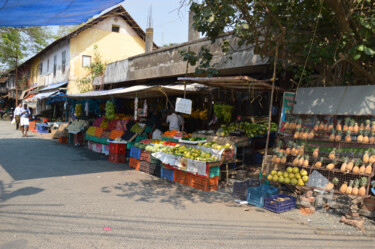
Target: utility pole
[16, 81]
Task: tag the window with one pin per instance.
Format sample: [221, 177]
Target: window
[86, 61]
[48, 66]
[54, 65]
[40, 68]
[63, 61]
[115, 28]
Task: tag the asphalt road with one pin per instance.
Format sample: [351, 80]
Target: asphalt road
[61, 196]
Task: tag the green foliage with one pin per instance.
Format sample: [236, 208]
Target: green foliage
[342, 50]
[16, 43]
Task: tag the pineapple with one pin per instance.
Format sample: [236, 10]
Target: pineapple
[346, 125]
[349, 188]
[305, 134]
[299, 124]
[321, 126]
[368, 128]
[316, 126]
[356, 167]
[283, 158]
[366, 157]
[331, 166]
[338, 136]
[338, 126]
[343, 188]
[362, 190]
[355, 188]
[318, 164]
[362, 127]
[296, 134]
[332, 136]
[330, 186]
[332, 154]
[373, 126]
[301, 150]
[306, 162]
[362, 169]
[348, 138]
[295, 161]
[311, 134]
[360, 137]
[372, 138]
[355, 128]
[344, 165]
[316, 153]
[350, 165]
[301, 160]
[368, 169]
[366, 138]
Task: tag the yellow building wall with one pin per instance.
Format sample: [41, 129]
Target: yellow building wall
[34, 74]
[112, 47]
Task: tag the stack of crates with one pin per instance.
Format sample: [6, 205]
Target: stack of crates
[149, 164]
[117, 152]
[135, 156]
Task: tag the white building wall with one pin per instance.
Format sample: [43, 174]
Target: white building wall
[46, 77]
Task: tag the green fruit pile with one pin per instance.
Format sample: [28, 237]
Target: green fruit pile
[110, 110]
[293, 176]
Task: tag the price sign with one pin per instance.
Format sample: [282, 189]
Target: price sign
[184, 105]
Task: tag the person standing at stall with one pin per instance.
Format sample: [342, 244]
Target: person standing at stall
[17, 115]
[174, 120]
[25, 114]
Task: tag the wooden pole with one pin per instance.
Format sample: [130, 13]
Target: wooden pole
[16, 81]
[270, 111]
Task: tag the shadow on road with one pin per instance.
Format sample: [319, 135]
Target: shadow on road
[4, 195]
[32, 158]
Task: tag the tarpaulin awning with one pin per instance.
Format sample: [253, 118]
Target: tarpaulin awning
[25, 93]
[30, 96]
[53, 86]
[41, 96]
[46, 12]
[236, 82]
[140, 91]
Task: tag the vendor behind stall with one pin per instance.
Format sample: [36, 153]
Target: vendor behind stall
[174, 120]
[156, 124]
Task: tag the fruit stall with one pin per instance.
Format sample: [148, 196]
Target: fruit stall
[328, 141]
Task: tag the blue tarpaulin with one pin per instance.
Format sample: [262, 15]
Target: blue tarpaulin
[50, 12]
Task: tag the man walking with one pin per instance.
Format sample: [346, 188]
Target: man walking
[25, 113]
[17, 115]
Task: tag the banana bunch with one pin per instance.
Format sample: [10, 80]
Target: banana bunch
[198, 114]
[203, 115]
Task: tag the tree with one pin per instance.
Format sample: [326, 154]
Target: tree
[17, 43]
[330, 42]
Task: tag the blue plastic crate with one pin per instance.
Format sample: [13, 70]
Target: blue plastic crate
[135, 153]
[214, 171]
[256, 195]
[240, 188]
[279, 206]
[167, 174]
[257, 158]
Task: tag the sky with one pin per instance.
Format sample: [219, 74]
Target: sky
[170, 22]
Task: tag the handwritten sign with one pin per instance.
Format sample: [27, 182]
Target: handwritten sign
[184, 105]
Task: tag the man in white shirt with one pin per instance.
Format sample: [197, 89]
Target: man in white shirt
[174, 120]
[25, 114]
[17, 115]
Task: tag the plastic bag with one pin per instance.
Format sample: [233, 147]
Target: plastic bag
[13, 121]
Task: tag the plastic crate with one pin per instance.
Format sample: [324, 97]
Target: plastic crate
[71, 138]
[279, 206]
[169, 139]
[135, 153]
[63, 140]
[167, 174]
[140, 138]
[204, 183]
[116, 158]
[182, 177]
[155, 169]
[146, 156]
[144, 166]
[129, 145]
[257, 158]
[78, 139]
[214, 171]
[240, 188]
[134, 163]
[115, 148]
[256, 195]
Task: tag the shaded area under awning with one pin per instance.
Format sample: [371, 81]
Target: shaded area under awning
[141, 91]
[15, 13]
[237, 82]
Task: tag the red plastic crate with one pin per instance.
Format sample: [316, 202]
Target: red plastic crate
[182, 177]
[116, 158]
[203, 183]
[134, 163]
[145, 156]
[115, 148]
[63, 140]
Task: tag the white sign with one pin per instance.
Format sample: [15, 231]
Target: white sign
[184, 105]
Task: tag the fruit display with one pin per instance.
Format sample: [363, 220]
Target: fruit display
[215, 145]
[183, 151]
[193, 139]
[294, 176]
[223, 112]
[342, 150]
[247, 128]
[128, 135]
[110, 110]
[136, 128]
[78, 110]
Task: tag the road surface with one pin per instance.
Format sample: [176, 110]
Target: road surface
[59, 196]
